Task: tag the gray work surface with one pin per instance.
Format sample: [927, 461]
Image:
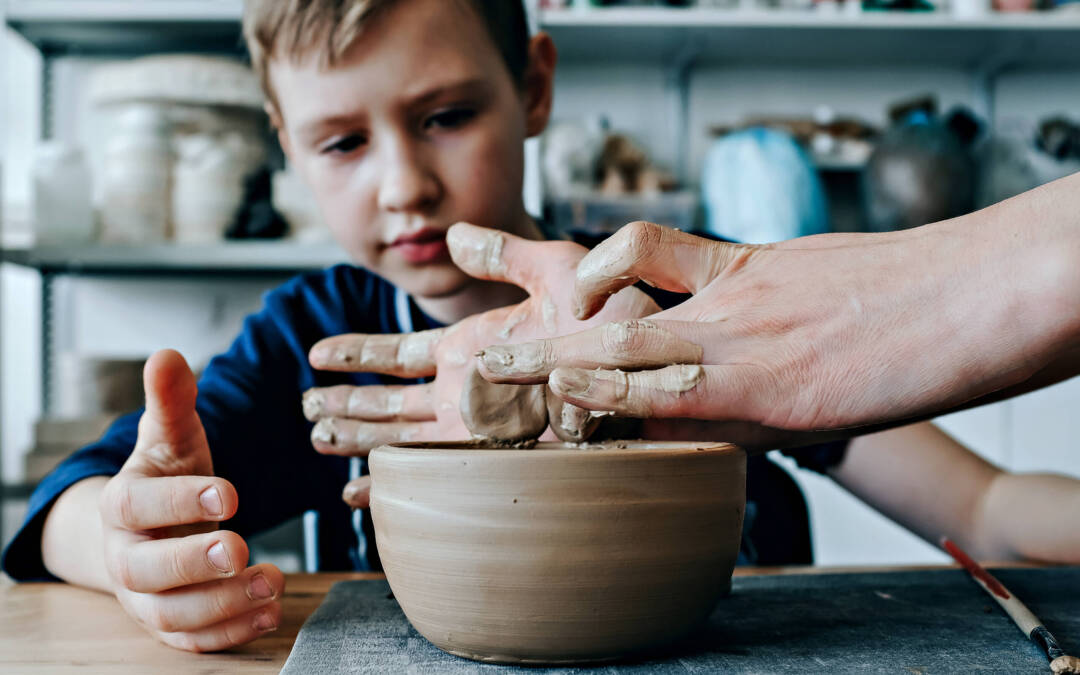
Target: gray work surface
[887, 622]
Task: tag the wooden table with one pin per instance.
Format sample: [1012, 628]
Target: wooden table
[55, 628]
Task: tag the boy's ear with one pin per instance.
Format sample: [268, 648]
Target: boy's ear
[539, 83]
[279, 127]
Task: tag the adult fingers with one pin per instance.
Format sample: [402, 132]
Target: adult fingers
[372, 403]
[141, 503]
[230, 633]
[498, 256]
[624, 344]
[403, 355]
[699, 392]
[661, 256]
[357, 492]
[569, 422]
[353, 438]
[199, 606]
[156, 565]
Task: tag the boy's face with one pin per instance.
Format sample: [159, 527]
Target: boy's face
[419, 127]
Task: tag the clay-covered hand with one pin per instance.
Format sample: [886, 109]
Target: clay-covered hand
[352, 420]
[171, 568]
[823, 332]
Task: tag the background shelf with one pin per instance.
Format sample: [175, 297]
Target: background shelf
[598, 35]
[86, 27]
[813, 38]
[163, 259]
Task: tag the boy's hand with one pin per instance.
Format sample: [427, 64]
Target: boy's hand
[352, 420]
[172, 570]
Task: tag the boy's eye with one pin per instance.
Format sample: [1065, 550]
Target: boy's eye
[449, 119]
[344, 145]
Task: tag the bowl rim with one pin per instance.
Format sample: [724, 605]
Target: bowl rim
[637, 448]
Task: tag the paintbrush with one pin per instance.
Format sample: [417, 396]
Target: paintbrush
[1060, 663]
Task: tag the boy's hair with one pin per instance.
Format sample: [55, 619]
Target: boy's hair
[292, 29]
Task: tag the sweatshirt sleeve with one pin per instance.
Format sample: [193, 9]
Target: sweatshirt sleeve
[249, 402]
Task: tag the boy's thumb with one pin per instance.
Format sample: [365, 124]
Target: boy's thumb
[170, 425]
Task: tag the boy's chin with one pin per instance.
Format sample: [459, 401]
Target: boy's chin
[434, 281]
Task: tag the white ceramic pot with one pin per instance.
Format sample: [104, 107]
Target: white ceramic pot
[558, 554]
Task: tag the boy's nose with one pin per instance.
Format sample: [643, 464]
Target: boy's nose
[407, 184]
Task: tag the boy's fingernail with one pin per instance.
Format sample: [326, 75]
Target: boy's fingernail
[314, 401]
[320, 356]
[325, 431]
[264, 622]
[210, 499]
[259, 588]
[570, 381]
[219, 558]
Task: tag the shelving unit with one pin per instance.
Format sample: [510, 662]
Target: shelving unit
[229, 258]
[821, 37]
[123, 27]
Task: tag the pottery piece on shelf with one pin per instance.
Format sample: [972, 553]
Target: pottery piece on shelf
[559, 554]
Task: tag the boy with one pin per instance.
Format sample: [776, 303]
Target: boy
[404, 116]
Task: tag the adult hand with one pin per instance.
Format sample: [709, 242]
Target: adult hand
[172, 569]
[350, 420]
[823, 332]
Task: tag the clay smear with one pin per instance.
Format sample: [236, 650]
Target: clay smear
[549, 314]
[673, 380]
[409, 355]
[516, 316]
[479, 252]
[526, 359]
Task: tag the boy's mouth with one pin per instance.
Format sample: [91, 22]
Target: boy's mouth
[424, 246]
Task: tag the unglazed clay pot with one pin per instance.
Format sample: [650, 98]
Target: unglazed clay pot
[557, 554]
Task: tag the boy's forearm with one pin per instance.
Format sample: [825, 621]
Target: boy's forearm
[72, 541]
[1031, 517]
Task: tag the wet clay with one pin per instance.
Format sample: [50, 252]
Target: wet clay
[503, 412]
[569, 422]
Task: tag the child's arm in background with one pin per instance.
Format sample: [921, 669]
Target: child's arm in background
[926, 481]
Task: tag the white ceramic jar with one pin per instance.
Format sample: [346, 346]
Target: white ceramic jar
[62, 195]
[136, 178]
[208, 183]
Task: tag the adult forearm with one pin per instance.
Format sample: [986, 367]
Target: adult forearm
[72, 541]
[1030, 270]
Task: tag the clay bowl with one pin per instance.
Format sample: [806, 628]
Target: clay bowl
[557, 554]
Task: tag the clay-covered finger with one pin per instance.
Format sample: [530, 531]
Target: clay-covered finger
[194, 607]
[570, 423]
[498, 256]
[675, 391]
[661, 256]
[157, 565]
[631, 344]
[353, 438]
[357, 492]
[403, 355]
[230, 633]
[141, 503]
[372, 403]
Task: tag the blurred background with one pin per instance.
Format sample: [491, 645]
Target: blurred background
[145, 203]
